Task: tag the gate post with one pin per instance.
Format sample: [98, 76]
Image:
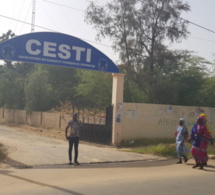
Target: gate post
[117, 100]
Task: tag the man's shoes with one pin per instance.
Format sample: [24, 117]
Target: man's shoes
[70, 163]
[76, 163]
[179, 162]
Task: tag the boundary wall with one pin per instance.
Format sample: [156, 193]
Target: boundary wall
[158, 121]
[135, 120]
[46, 120]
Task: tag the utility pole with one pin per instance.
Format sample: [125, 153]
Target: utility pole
[33, 15]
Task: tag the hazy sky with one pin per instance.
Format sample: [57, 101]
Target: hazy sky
[69, 19]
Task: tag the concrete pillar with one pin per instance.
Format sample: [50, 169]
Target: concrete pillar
[117, 102]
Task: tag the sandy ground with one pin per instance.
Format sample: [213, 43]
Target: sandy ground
[42, 132]
[53, 133]
[29, 146]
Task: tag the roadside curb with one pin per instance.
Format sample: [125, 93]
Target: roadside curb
[211, 156]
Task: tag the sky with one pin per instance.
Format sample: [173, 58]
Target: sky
[68, 18]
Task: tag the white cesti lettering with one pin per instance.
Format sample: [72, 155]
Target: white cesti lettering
[78, 52]
[88, 58]
[63, 51]
[29, 47]
[49, 47]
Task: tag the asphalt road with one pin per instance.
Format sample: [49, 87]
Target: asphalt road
[136, 178]
[147, 175]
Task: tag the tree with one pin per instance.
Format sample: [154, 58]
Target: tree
[132, 92]
[178, 81]
[47, 87]
[11, 89]
[94, 90]
[207, 92]
[139, 30]
[4, 37]
[12, 84]
[64, 82]
[38, 92]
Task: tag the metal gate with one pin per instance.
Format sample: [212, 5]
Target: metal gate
[96, 133]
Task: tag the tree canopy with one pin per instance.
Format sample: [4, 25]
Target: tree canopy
[140, 31]
[139, 22]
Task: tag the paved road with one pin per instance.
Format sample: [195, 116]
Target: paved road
[143, 175]
[136, 178]
[33, 150]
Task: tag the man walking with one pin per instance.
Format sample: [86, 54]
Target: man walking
[73, 138]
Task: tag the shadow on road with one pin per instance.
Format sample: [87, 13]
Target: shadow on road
[208, 168]
[8, 174]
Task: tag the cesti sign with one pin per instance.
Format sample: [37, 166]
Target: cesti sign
[56, 49]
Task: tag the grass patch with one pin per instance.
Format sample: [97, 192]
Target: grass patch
[146, 142]
[157, 146]
[160, 147]
[211, 149]
[167, 150]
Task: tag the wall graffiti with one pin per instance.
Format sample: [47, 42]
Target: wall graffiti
[132, 113]
[167, 122]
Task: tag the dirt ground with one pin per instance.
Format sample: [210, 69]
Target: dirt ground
[53, 133]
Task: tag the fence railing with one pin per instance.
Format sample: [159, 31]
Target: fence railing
[47, 119]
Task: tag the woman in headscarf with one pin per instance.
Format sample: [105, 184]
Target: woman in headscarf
[200, 137]
[205, 117]
[209, 137]
[181, 136]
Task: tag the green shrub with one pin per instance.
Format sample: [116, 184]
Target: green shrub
[157, 146]
[146, 142]
[167, 150]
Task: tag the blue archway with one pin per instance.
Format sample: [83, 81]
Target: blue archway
[56, 49]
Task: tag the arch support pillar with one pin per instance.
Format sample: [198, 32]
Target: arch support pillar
[117, 102]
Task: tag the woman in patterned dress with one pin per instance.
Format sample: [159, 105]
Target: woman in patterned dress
[200, 137]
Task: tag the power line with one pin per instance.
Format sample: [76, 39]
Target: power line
[94, 41]
[49, 29]
[85, 11]
[82, 39]
[64, 6]
[202, 39]
[47, 13]
[25, 18]
[198, 25]
[20, 11]
[25, 22]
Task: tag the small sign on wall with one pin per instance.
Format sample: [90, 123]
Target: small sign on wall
[118, 112]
